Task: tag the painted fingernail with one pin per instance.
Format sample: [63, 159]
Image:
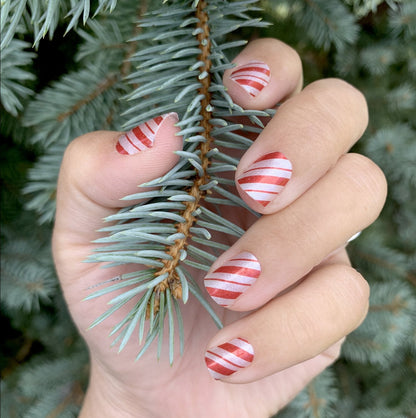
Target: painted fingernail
[142, 137]
[354, 237]
[227, 358]
[266, 178]
[233, 278]
[252, 77]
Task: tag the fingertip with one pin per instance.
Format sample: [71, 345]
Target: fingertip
[105, 168]
[143, 136]
[227, 281]
[229, 357]
[264, 180]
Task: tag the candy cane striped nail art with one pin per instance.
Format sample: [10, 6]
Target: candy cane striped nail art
[252, 77]
[141, 137]
[226, 359]
[266, 178]
[233, 278]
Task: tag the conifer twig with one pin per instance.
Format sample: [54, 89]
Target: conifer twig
[169, 231]
[173, 281]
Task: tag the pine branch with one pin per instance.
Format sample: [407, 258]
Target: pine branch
[202, 178]
[317, 400]
[28, 280]
[15, 57]
[42, 17]
[377, 59]
[103, 86]
[385, 332]
[324, 23]
[185, 38]
[403, 20]
[51, 386]
[328, 23]
[82, 101]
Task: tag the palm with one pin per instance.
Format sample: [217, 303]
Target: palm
[187, 378]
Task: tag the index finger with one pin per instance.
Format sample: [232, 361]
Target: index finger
[267, 71]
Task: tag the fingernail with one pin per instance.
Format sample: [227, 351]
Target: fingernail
[354, 237]
[227, 358]
[142, 137]
[252, 77]
[233, 278]
[266, 178]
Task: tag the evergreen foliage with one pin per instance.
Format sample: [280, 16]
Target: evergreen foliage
[370, 43]
[181, 40]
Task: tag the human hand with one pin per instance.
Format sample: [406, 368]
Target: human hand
[304, 297]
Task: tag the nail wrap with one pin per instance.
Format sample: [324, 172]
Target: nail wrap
[227, 358]
[233, 278]
[141, 137]
[252, 77]
[354, 237]
[266, 178]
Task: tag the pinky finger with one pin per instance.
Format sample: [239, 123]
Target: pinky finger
[293, 379]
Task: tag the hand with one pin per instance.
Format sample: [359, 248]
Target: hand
[302, 297]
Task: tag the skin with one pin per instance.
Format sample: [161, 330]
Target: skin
[307, 298]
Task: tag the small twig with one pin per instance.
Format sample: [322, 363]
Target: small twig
[112, 79]
[173, 281]
[396, 305]
[75, 395]
[314, 401]
[101, 88]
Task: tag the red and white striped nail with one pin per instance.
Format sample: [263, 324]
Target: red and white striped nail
[266, 178]
[227, 358]
[252, 77]
[233, 278]
[142, 137]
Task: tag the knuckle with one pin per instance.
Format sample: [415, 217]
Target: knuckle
[288, 56]
[357, 290]
[359, 287]
[339, 304]
[337, 88]
[76, 159]
[291, 56]
[75, 147]
[368, 180]
[70, 154]
[343, 102]
[347, 297]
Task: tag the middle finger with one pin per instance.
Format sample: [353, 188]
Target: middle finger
[281, 248]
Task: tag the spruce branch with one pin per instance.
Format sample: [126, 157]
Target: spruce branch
[392, 307]
[15, 57]
[43, 17]
[196, 193]
[318, 399]
[326, 24]
[180, 71]
[81, 101]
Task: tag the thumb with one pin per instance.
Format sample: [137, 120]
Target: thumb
[100, 168]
